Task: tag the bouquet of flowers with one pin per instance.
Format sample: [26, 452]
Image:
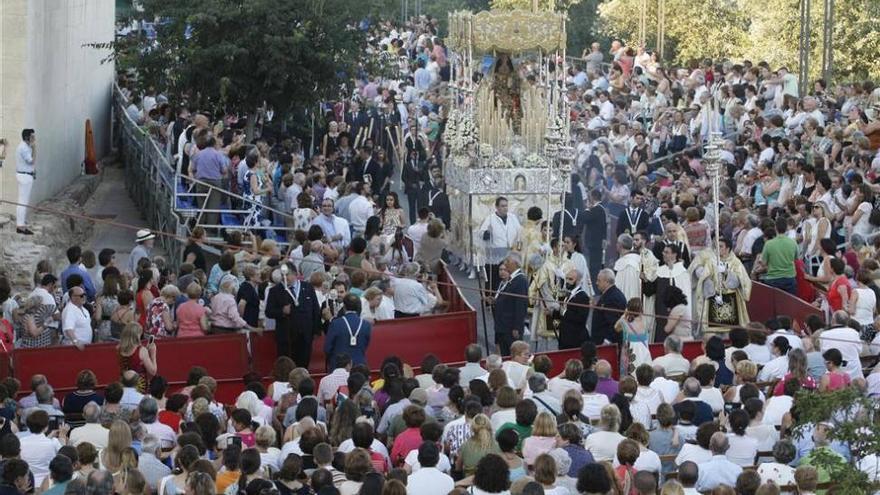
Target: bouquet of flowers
[501, 161]
[535, 160]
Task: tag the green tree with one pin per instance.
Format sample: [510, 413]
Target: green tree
[854, 423]
[239, 55]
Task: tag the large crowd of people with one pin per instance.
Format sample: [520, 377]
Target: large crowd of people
[363, 244]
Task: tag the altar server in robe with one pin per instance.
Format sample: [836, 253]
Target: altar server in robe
[500, 232]
[627, 268]
[671, 273]
[572, 251]
[648, 265]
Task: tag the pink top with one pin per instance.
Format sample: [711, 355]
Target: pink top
[224, 312]
[807, 382]
[837, 380]
[532, 447]
[189, 314]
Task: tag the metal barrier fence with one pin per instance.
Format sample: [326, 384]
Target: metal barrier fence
[174, 203]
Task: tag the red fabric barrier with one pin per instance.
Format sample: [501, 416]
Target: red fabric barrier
[62, 363]
[607, 352]
[445, 335]
[224, 356]
[781, 303]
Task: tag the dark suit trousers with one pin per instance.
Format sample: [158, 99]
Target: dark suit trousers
[503, 340]
[594, 263]
[301, 349]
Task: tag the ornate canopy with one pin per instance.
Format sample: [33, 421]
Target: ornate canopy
[510, 31]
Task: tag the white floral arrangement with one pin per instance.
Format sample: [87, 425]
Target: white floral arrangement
[486, 151]
[535, 160]
[463, 161]
[501, 161]
[461, 132]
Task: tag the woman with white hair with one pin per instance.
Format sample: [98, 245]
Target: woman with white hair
[224, 316]
[603, 444]
[260, 413]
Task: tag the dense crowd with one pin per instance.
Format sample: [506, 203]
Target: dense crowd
[796, 211]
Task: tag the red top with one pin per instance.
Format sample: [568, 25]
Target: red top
[835, 301]
[807, 382]
[135, 364]
[172, 419]
[805, 289]
[141, 309]
[410, 439]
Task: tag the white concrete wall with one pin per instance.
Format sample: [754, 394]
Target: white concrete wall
[52, 83]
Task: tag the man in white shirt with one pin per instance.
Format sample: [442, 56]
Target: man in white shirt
[718, 470]
[131, 398]
[543, 399]
[672, 362]
[418, 230]
[471, 370]
[38, 448]
[429, 480]
[606, 107]
[667, 388]
[149, 411]
[76, 322]
[794, 341]
[411, 297]
[92, 432]
[335, 228]
[846, 340]
[361, 208]
[25, 174]
[331, 383]
[646, 394]
[593, 402]
[500, 232]
[776, 368]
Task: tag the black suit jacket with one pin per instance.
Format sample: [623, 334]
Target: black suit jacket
[641, 223]
[439, 207]
[358, 170]
[512, 306]
[596, 225]
[604, 319]
[304, 319]
[572, 223]
[573, 329]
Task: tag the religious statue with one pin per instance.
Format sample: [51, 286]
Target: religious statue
[727, 307]
[507, 90]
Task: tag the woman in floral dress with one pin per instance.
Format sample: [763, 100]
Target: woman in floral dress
[254, 188]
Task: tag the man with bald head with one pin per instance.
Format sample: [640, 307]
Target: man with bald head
[92, 431]
[718, 470]
[610, 307]
[575, 311]
[607, 385]
[131, 398]
[691, 390]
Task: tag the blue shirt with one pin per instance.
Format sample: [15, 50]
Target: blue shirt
[210, 164]
[716, 471]
[338, 340]
[87, 279]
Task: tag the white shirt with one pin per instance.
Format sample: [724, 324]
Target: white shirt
[674, 364]
[359, 211]
[411, 297]
[606, 111]
[348, 445]
[794, 341]
[692, 452]
[848, 342]
[24, 158]
[667, 388]
[131, 398]
[92, 433]
[650, 397]
[516, 373]
[415, 232]
[742, 450]
[593, 404]
[603, 445]
[502, 417]
[38, 450]
[713, 397]
[758, 354]
[558, 386]
[429, 481]
[774, 370]
[161, 431]
[77, 320]
[776, 408]
[385, 310]
[412, 460]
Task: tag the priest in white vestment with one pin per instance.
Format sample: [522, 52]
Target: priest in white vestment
[671, 273]
[648, 266]
[627, 268]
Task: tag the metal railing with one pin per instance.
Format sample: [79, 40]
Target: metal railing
[175, 203]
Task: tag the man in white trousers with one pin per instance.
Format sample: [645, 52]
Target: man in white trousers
[25, 173]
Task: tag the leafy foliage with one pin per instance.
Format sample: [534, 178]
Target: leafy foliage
[854, 423]
[754, 29]
[236, 55]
